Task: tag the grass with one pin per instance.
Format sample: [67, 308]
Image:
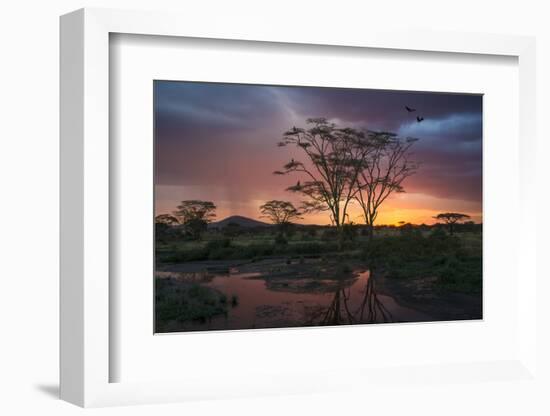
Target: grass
[225, 249]
[455, 261]
[180, 302]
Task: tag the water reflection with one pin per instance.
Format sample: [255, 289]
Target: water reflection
[289, 302]
[343, 308]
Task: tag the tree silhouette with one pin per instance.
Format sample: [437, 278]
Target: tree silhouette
[195, 215]
[388, 164]
[334, 159]
[280, 212]
[164, 226]
[340, 311]
[451, 218]
[166, 219]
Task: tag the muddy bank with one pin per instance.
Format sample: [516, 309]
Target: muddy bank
[424, 295]
[271, 268]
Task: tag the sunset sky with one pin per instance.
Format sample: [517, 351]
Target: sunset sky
[218, 142]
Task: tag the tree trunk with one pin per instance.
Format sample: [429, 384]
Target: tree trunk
[340, 238]
[370, 231]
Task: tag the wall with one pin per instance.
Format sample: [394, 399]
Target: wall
[29, 208]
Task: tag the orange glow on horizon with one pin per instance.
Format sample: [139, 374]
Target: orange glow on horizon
[413, 208]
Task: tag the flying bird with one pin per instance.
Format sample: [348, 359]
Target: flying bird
[409, 109]
[419, 119]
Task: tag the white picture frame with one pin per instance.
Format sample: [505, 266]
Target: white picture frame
[85, 352]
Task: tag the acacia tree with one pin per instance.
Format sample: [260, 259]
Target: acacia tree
[164, 226]
[451, 218]
[195, 216]
[280, 212]
[334, 157]
[166, 219]
[386, 166]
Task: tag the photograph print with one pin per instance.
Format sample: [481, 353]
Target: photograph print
[293, 206]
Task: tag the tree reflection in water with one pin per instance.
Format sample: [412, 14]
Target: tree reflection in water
[341, 311]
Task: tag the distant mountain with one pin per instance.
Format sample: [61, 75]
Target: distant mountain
[237, 219]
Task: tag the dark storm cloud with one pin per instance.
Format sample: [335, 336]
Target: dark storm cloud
[183, 109]
[225, 134]
[381, 109]
[201, 129]
[450, 148]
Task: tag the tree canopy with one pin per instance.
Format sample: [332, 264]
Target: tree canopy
[451, 218]
[195, 215]
[387, 165]
[195, 210]
[166, 219]
[334, 158]
[280, 212]
[165, 227]
[343, 165]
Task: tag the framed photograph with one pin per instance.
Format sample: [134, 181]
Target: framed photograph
[346, 219]
[241, 212]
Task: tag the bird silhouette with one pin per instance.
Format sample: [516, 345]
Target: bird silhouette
[419, 119]
[409, 109]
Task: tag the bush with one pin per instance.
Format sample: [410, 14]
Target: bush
[343, 269]
[183, 302]
[218, 244]
[306, 237]
[225, 249]
[310, 232]
[193, 254]
[438, 255]
[330, 234]
[165, 233]
[314, 248]
[349, 232]
[257, 250]
[461, 274]
[438, 232]
[222, 253]
[220, 249]
[280, 240]
[195, 228]
[288, 229]
[233, 230]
